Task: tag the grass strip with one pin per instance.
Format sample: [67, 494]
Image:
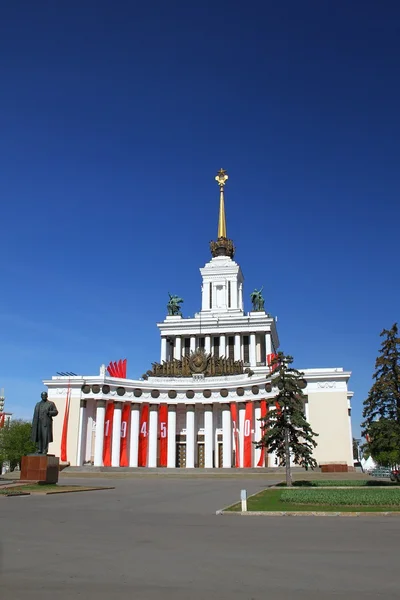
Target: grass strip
[270, 500]
[352, 497]
[341, 483]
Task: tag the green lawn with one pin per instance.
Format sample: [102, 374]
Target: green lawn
[271, 500]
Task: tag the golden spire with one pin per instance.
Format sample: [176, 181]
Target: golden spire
[221, 178]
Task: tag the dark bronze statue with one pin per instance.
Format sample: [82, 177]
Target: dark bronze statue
[42, 424]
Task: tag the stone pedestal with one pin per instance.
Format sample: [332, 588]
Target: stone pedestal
[40, 467]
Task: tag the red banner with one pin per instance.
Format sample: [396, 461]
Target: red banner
[163, 425]
[108, 425]
[117, 369]
[123, 457]
[2, 419]
[234, 415]
[264, 413]
[278, 408]
[143, 435]
[270, 359]
[247, 446]
[63, 453]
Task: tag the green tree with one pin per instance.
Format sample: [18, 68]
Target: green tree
[286, 430]
[381, 413]
[15, 442]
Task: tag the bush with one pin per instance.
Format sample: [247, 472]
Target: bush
[343, 497]
[15, 442]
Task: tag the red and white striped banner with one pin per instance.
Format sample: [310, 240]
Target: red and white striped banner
[247, 435]
[234, 415]
[163, 421]
[143, 436]
[264, 413]
[123, 457]
[108, 425]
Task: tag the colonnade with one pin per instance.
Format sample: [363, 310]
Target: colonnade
[176, 349]
[154, 428]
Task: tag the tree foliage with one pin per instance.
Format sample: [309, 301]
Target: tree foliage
[286, 430]
[15, 442]
[381, 413]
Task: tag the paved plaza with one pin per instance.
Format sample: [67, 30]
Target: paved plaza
[159, 538]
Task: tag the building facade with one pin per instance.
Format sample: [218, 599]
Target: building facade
[201, 405]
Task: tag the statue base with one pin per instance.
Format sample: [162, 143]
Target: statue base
[43, 468]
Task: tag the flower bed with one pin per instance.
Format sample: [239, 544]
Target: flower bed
[335, 497]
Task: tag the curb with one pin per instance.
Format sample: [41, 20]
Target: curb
[306, 513]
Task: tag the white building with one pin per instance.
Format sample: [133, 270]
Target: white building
[182, 413]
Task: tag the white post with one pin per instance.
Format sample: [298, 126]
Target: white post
[207, 344]
[116, 435]
[171, 441]
[82, 434]
[226, 437]
[134, 436]
[243, 499]
[192, 344]
[190, 436]
[242, 414]
[222, 345]
[237, 354]
[99, 442]
[257, 432]
[153, 424]
[252, 353]
[163, 349]
[208, 436]
[178, 348]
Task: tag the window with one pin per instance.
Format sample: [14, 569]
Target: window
[246, 353]
[231, 346]
[211, 295]
[186, 350]
[216, 346]
[229, 294]
[202, 342]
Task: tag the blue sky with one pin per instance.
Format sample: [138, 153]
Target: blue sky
[115, 117]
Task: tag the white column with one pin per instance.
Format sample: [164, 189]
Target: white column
[116, 435]
[241, 296]
[222, 345]
[178, 348]
[268, 346]
[237, 354]
[171, 442]
[242, 414]
[190, 436]
[207, 344]
[82, 434]
[226, 436]
[208, 436]
[163, 349]
[134, 436]
[252, 350]
[99, 442]
[257, 432]
[153, 434]
[192, 343]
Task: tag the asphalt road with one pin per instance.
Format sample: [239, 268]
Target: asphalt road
[159, 538]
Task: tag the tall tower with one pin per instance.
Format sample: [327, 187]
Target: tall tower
[222, 289]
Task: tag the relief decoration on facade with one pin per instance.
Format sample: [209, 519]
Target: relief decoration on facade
[197, 363]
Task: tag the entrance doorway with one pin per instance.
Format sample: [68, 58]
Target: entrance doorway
[220, 454]
[181, 455]
[200, 455]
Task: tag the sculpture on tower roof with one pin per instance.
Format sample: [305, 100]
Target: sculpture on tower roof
[173, 306]
[257, 300]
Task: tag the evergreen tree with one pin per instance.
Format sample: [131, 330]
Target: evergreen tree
[286, 431]
[381, 413]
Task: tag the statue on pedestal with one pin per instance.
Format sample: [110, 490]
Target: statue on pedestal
[173, 306]
[257, 300]
[42, 424]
